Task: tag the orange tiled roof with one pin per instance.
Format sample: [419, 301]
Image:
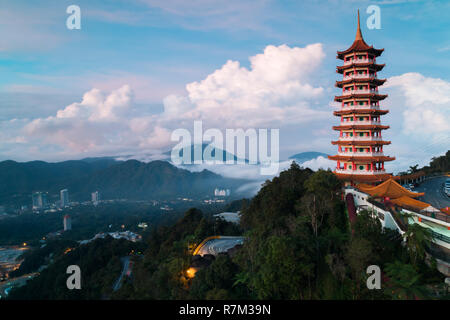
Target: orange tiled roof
[409, 202]
[389, 188]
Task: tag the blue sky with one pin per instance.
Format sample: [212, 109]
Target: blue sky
[156, 47]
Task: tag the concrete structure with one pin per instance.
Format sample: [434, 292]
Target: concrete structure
[360, 155]
[217, 244]
[64, 198]
[67, 223]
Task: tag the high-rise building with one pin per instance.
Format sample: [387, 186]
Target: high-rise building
[39, 200]
[64, 198]
[67, 222]
[360, 155]
[95, 196]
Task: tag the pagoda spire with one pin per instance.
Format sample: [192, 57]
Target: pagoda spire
[358, 31]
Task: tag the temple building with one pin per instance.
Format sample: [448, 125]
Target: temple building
[360, 157]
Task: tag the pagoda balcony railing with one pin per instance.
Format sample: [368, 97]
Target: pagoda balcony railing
[365, 122]
[360, 138]
[365, 91]
[357, 61]
[362, 154]
[359, 76]
[359, 107]
[366, 172]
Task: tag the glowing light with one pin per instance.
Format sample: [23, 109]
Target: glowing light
[191, 272]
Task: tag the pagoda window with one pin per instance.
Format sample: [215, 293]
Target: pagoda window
[361, 167]
[361, 134]
[350, 166]
[351, 134]
[361, 103]
[361, 118]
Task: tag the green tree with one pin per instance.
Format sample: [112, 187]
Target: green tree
[404, 282]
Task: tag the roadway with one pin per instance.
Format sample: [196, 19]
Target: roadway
[434, 192]
[125, 271]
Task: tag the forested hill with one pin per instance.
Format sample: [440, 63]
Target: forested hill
[115, 179]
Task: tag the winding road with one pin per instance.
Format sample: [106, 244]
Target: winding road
[434, 192]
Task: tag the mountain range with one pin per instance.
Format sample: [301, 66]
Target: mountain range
[129, 179]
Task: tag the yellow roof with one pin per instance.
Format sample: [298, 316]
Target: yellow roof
[390, 188]
[409, 202]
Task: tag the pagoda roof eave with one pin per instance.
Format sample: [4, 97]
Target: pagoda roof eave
[361, 143]
[374, 96]
[375, 81]
[359, 46]
[361, 158]
[361, 127]
[372, 66]
[361, 111]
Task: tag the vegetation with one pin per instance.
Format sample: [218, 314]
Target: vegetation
[299, 245]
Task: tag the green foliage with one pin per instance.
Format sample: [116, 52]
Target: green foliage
[404, 282]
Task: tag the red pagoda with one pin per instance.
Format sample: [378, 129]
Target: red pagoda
[360, 157]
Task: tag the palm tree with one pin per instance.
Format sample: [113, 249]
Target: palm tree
[404, 282]
[417, 240]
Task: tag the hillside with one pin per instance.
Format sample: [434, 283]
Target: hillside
[115, 179]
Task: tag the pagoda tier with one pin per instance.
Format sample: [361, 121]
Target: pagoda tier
[360, 155]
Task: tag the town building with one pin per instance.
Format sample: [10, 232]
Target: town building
[95, 197]
[64, 198]
[360, 144]
[39, 200]
[67, 223]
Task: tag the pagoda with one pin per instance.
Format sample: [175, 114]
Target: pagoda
[360, 157]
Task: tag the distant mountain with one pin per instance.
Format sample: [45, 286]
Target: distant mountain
[221, 154]
[306, 156]
[130, 179]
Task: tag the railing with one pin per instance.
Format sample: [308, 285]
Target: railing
[360, 138]
[365, 122]
[343, 171]
[363, 154]
[359, 76]
[359, 107]
[347, 93]
[358, 61]
[436, 215]
[440, 236]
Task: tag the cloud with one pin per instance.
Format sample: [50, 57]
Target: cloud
[426, 103]
[275, 90]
